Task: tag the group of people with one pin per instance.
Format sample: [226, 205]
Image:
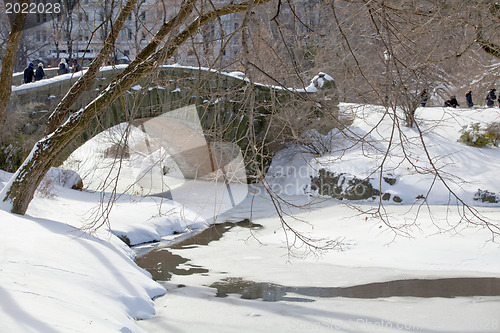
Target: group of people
[30, 73]
[452, 101]
[63, 67]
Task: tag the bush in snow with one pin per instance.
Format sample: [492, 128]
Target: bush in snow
[485, 196]
[494, 130]
[17, 140]
[343, 186]
[474, 135]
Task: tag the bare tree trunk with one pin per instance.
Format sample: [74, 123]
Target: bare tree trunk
[8, 62]
[18, 193]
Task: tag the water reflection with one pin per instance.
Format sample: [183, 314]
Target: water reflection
[214, 233]
[447, 288]
[162, 263]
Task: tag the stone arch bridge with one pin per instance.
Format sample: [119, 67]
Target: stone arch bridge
[229, 106]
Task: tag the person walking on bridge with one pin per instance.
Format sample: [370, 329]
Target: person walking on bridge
[490, 98]
[29, 73]
[76, 67]
[468, 97]
[39, 73]
[63, 67]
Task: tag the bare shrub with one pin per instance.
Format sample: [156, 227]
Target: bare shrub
[493, 129]
[17, 141]
[46, 189]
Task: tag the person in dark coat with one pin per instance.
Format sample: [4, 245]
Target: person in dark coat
[76, 67]
[424, 97]
[452, 102]
[468, 97]
[29, 73]
[490, 98]
[63, 68]
[39, 73]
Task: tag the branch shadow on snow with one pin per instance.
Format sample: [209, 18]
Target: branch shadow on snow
[12, 309]
[119, 274]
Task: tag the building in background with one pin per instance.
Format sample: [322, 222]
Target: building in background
[79, 33]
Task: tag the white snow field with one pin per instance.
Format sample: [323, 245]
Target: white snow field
[55, 277]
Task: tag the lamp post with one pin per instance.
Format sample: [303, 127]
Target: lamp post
[387, 59]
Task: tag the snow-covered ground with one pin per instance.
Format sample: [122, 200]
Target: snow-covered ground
[373, 138]
[54, 277]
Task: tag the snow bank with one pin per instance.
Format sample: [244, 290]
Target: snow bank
[407, 172]
[56, 278]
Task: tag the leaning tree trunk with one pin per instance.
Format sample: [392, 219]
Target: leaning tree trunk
[18, 193]
[9, 58]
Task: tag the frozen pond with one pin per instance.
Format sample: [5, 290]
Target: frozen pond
[162, 264]
[240, 277]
